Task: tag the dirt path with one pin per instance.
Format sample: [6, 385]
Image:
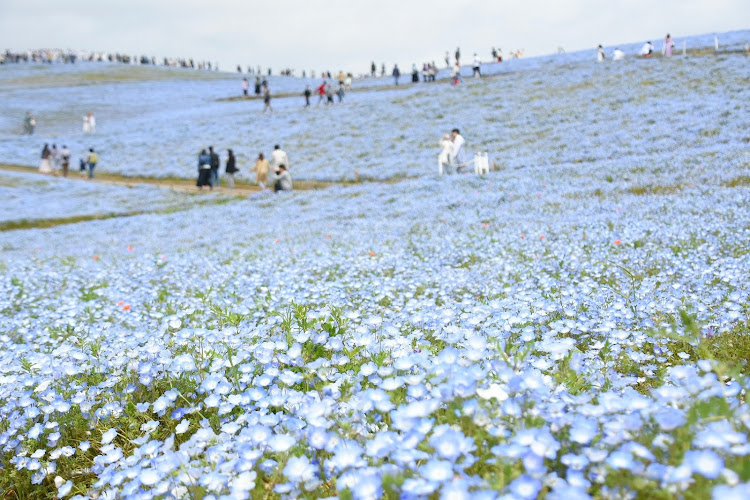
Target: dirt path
[242, 188]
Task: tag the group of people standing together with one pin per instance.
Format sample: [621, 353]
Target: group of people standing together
[55, 160]
[278, 167]
[646, 51]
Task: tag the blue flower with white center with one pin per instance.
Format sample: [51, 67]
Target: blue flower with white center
[583, 430]
[65, 488]
[300, 470]
[108, 436]
[724, 492]
[525, 487]
[704, 462]
[437, 470]
[281, 442]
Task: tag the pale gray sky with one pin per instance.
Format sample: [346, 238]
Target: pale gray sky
[338, 34]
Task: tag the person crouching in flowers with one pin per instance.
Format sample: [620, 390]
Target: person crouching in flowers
[282, 180]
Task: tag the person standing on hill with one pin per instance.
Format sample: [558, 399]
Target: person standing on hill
[279, 157]
[477, 66]
[455, 155]
[245, 86]
[55, 159]
[231, 168]
[257, 85]
[214, 181]
[65, 160]
[204, 170]
[458, 56]
[91, 160]
[261, 171]
[396, 73]
[321, 92]
[307, 94]
[600, 55]
[373, 69]
[45, 167]
[668, 45]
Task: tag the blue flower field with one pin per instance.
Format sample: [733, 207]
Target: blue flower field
[572, 325]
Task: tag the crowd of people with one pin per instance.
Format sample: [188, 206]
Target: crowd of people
[50, 56]
[273, 174]
[57, 161]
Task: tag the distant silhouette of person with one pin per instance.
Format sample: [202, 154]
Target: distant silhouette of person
[45, 166]
[600, 55]
[307, 94]
[396, 73]
[458, 56]
[231, 168]
[668, 46]
[29, 123]
[245, 84]
[267, 99]
[477, 66]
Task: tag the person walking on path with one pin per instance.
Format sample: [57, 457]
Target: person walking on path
[321, 92]
[477, 66]
[340, 92]
[279, 157]
[261, 171]
[396, 73]
[214, 167]
[204, 170]
[65, 160]
[668, 45]
[456, 74]
[231, 168]
[307, 94]
[45, 167]
[55, 159]
[282, 180]
[91, 160]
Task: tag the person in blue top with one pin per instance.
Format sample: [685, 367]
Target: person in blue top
[204, 170]
[396, 73]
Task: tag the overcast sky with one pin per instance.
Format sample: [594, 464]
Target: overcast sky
[337, 34]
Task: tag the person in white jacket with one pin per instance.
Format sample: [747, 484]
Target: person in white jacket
[444, 158]
[456, 155]
[279, 157]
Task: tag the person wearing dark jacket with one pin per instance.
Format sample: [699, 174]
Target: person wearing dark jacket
[214, 167]
[231, 168]
[396, 73]
[204, 170]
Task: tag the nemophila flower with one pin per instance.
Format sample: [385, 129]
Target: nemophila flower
[525, 487]
[64, 489]
[583, 430]
[108, 436]
[724, 492]
[705, 462]
[451, 444]
[299, 470]
[281, 442]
